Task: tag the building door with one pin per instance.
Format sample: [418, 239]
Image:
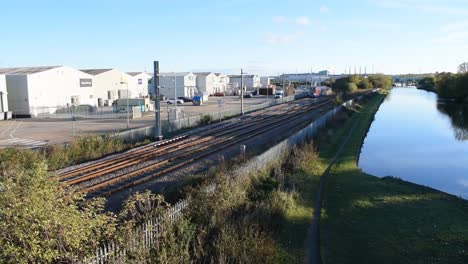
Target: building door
[99, 102]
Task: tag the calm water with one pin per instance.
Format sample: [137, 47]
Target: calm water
[418, 139]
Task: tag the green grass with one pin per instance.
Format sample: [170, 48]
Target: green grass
[366, 219]
[302, 184]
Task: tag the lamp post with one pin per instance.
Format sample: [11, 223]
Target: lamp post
[128, 112]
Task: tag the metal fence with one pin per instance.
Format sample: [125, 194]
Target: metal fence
[146, 235]
[83, 112]
[194, 120]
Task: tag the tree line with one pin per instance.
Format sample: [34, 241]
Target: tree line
[352, 83]
[448, 85]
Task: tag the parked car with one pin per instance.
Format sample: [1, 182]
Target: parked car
[185, 99]
[173, 101]
[278, 96]
[248, 95]
[218, 94]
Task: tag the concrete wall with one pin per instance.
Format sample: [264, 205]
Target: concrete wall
[3, 94]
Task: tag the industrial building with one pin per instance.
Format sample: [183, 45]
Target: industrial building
[109, 85]
[304, 77]
[36, 90]
[138, 84]
[250, 81]
[207, 82]
[3, 95]
[223, 81]
[177, 84]
[266, 81]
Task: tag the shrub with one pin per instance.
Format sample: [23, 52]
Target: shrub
[206, 120]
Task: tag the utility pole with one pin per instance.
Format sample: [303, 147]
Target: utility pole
[128, 108]
[175, 94]
[242, 92]
[157, 103]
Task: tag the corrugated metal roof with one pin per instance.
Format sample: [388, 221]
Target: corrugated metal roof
[171, 74]
[245, 76]
[202, 73]
[26, 70]
[133, 73]
[95, 71]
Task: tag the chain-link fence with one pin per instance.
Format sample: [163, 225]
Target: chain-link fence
[81, 111]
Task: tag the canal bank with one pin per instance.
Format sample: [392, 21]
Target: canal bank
[420, 139]
[366, 219]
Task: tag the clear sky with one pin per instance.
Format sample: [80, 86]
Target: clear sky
[262, 36]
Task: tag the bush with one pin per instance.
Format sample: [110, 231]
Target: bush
[39, 221]
[206, 120]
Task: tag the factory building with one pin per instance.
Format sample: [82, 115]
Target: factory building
[138, 84]
[3, 95]
[223, 81]
[250, 81]
[177, 84]
[304, 77]
[207, 82]
[36, 90]
[109, 85]
[266, 81]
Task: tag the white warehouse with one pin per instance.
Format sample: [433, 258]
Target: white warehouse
[223, 81]
[184, 82]
[250, 81]
[36, 90]
[3, 95]
[138, 84]
[207, 82]
[109, 85]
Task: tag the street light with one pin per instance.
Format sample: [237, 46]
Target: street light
[128, 112]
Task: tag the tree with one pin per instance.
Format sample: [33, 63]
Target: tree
[427, 83]
[345, 85]
[364, 84]
[381, 81]
[463, 68]
[39, 221]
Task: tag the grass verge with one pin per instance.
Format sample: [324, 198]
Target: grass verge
[366, 219]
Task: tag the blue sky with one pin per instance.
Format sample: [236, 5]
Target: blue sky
[265, 37]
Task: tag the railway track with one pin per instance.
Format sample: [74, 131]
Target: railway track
[125, 170]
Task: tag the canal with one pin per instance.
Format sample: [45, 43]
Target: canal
[419, 139]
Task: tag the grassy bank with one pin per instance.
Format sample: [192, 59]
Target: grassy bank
[366, 219]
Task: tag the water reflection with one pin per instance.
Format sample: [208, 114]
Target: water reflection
[412, 137]
[458, 114]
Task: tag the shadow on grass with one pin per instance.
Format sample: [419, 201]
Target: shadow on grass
[387, 220]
